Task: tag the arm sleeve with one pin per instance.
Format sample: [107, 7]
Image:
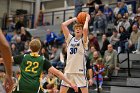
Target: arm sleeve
[47, 65]
[18, 59]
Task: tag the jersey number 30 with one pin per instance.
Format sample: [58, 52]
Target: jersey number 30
[32, 66]
[73, 50]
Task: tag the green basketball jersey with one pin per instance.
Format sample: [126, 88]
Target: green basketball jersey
[31, 68]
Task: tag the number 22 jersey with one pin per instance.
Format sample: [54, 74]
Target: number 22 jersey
[31, 66]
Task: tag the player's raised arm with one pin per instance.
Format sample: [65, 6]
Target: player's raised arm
[85, 28]
[64, 26]
[6, 55]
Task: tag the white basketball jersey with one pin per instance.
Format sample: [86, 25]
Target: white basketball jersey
[76, 62]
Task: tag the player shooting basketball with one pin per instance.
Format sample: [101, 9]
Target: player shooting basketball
[75, 69]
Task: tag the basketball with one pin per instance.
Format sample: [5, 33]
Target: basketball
[81, 18]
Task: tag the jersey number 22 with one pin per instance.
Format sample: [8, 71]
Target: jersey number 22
[32, 66]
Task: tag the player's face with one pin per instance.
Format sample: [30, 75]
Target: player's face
[78, 31]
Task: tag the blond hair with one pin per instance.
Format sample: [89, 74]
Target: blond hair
[35, 45]
[78, 25]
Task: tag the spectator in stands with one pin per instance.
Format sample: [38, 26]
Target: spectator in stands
[14, 50]
[90, 54]
[105, 43]
[138, 47]
[131, 16]
[96, 55]
[110, 60]
[25, 35]
[124, 22]
[60, 39]
[124, 35]
[108, 13]
[123, 9]
[115, 38]
[78, 6]
[93, 42]
[15, 35]
[26, 47]
[7, 36]
[45, 53]
[99, 22]
[91, 5]
[55, 56]
[133, 41]
[51, 79]
[116, 9]
[138, 16]
[93, 14]
[50, 38]
[20, 23]
[11, 25]
[118, 20]
[134, 22]
[98, 69]
[20, 45]
[95, 11]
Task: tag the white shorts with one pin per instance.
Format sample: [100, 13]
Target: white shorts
[79, 79]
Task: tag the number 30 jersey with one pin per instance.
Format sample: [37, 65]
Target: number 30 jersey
[32, 65]
[76, 62]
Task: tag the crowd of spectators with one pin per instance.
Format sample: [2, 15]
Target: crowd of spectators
[125, 37]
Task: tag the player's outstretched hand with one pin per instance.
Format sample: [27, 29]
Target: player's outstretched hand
[8, 84]
[74, 87]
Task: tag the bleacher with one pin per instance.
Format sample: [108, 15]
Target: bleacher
[41, 31]
[127, 79]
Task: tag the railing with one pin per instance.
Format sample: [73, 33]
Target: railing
[50, 16]
[64, 11]
[27, 19]
[128, 61]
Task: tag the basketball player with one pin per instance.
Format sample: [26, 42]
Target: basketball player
[6, 55]
[75, 69]
[31, 66]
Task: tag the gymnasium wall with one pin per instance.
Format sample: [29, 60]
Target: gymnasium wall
[15, 4]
